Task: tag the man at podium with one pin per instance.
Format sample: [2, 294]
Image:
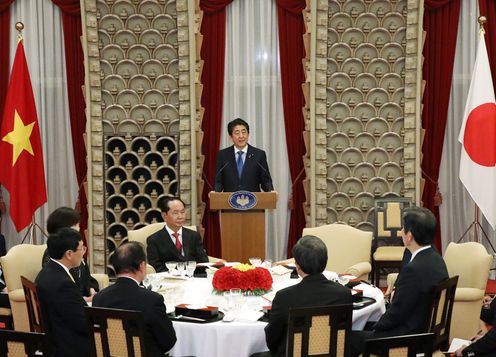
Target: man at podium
[241, 167]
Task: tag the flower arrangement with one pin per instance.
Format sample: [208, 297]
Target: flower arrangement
[251, 280]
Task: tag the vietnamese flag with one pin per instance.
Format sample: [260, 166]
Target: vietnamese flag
[478, 137]
[21, 156]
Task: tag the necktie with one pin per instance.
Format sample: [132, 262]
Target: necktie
[178, 242]
[239, 163]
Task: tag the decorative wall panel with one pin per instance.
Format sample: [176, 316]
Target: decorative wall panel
[139, 60]
[363, 133]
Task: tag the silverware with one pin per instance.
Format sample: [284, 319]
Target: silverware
[182, 317]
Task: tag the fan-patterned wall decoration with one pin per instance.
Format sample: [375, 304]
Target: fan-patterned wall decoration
[359, 107]
[139, 66]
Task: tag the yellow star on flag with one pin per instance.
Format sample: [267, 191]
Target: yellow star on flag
[19, 138]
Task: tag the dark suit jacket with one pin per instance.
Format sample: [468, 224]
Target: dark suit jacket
[255, 174]
[161, 249]
[408, 311]
[160, 336]
[484, 347]
[81, 275]
[313, 290]
[63, 311]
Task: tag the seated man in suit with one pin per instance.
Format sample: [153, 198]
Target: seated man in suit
[64, 217]
[241, 167]
[315, 289]
[174, 242]
[483, 345]
[129, 262]
[408, 309]
[60, 298]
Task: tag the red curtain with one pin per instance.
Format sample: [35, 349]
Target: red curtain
[4, 62]
[71, 22]
[488, 9]
[213, 29]
[441, 25]
[291, 52]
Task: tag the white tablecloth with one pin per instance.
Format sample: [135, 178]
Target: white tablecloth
[239, 338]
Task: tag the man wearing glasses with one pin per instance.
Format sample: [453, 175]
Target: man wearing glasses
[60, 298]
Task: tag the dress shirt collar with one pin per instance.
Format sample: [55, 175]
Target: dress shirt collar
[414, 254]
[245, 150]
[64, 267]
[128, 277]
[170, 231]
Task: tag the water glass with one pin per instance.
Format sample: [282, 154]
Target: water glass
[267, 264]
[255, 261]
[181, 268]
[190, 268]
[170, 267]
[237, 299]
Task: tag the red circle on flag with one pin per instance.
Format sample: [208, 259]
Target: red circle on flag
[479, 138]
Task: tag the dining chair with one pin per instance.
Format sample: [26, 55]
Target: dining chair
[388, 245]
[32, 305]
[438, 320]
[348, 248]
[22, 259]
[115, 332]
[323, 331]
[23, 344]
[400, 346]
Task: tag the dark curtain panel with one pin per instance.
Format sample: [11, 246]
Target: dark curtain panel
[488, 9]
[441, 26]
[291, 52]
[71, 22]
[213, 29]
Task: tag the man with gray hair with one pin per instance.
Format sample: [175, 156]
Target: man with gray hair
[315, 289]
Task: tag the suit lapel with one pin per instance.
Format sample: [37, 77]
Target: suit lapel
[185, 243]
[248, 165]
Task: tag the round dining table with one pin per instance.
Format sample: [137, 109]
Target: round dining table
[244, 335]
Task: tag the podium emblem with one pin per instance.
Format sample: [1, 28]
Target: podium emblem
[242, 200]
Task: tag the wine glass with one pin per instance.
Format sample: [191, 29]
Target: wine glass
[256, 262]
[190, 268]
[170, 267]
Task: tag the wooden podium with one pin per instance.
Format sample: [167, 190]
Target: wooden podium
[242, 231]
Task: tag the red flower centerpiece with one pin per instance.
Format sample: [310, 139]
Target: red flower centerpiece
[251, 280]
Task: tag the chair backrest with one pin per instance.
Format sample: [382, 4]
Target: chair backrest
[471, 262]
[439, 318]
[22, 259]
[23, 344]
[388, 213]
[400, 346]
[115, 332]
[319, 331]
[143, 233]
[33, 305]
[346, 245]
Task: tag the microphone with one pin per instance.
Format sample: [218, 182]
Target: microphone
[219, 172]
[268, 174]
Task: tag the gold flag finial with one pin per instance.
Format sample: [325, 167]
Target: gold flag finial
[19, 27]
[482, 21]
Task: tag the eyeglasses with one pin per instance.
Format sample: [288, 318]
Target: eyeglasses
[83, 248]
